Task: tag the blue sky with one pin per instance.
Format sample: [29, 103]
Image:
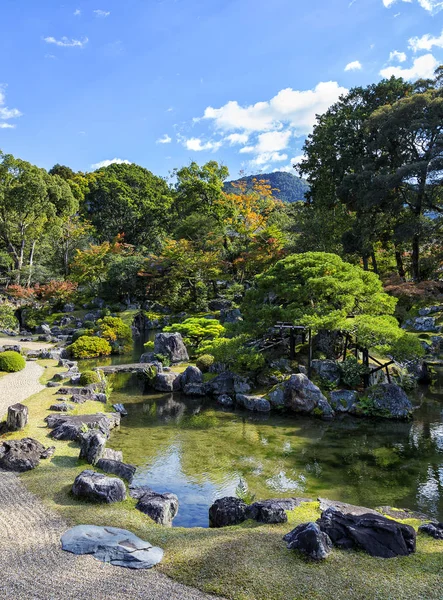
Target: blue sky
[163, 82]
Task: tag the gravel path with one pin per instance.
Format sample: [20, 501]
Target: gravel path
[32, 564]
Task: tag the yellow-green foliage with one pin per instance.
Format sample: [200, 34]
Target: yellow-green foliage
[204, 362]
[88, 377]
[90, 347]
[115, 330]
[11, 362]
[149, 346]
[196, 331]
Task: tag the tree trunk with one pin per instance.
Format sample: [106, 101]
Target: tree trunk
[31, 263]
[400, 266]
[416, 257]
[365, 262]
[374, 262]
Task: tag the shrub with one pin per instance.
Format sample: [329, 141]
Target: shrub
[195, 331]
[165, 361]
[204, 362]
[11, 362]
[149, 346]
[7, 317]
[90, 347]
[88, 377]
[115, 331]
[351, 371]
[234, 353]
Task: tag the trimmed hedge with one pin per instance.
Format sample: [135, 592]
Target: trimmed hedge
[11, 362]
[89, 346]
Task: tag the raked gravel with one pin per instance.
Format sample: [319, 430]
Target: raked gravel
[32, 564]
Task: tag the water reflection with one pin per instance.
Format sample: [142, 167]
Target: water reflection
[194, 449]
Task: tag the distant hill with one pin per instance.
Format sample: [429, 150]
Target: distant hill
[290, 188]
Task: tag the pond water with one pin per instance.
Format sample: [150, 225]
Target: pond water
[200, 452]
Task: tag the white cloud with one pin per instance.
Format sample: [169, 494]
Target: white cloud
[165, 139]
[247, 150]
[113, 161]
[273, 141]
[398, 56]
[66, 42]
[353, 66]
[77, 12]
[293, 107]
[196, 144]
[432, 6]
[267, 157]
[426, 42]
[5, 112]
[423, 67]
[237, 138]
[102, 13]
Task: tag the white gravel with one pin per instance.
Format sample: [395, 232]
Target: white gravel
[32, 564]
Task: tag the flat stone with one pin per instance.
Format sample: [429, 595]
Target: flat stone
[61, 407]
[253, 403]
[112, 545]
[346, 509]
[401, 513]
[69, 427]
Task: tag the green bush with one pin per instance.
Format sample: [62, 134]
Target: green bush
[234, 353]
[8, 319]
[88, 377]
[90, 347]
[204, 362]
[165, 360]
[196, 331]
[351, 371]
[149, 346]
[11, 362]
[115, 331]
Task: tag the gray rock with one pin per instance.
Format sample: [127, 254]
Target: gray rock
[303, 396]
[194, 389]
[433, 529]
[166, 382]
[191, 375]
[115, 467]
[61, 407]
[95, 486]
[161, 508]
[225, 400]
[12, 348]
[253, 403]
[69, 308]
[310, 540]
[44, 329]
[112, 545]
[276, 397]
[172, 346]
[401, 513]
[110, 454]
[425, 324]
[147, 357]
[219, 304]
[70, 427]
[227, 511]
[343, 401]
[17, 417]
[78, 399]
[92, 446]
[120, 409]
[52, 384]
[228, 383]
[344, 508]
[390, 401]
[231, 316]
[22, 455]
[328, 370]
[269, 511]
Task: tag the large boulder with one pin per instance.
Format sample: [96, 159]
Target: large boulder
[228, 383]
[227, 511]
[191, 375]
[225, 401]
[343, 401]
[167, 382]
[270, 511]
[22, 455]
[388, 400]
[276, 397]
[92, 446]
[44, 329]
[172, 346]
[310, 540]
[100, 488]
[303, 396]
[425, 324]
[253, 403]
[328, 370]
[375, 534]
[161, 508]
[116, 467]
[112, 545]
[70, 427]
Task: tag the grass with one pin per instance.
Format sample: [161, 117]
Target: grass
[247, 562]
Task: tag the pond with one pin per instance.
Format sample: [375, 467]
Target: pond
[200, 452]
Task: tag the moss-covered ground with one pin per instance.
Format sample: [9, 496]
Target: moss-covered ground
[248, 562]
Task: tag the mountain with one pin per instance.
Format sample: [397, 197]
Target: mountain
[288, 187]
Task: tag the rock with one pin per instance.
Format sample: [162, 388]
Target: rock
[115, 467]
[225, 400]
[254, 403]
[70, 427]
[433, 529]
[161, 508]
[232, 315]
[194, 389]
[191, 375]
[69, 307]
[219, 304]
[98, 487]
[21, 455]
[276, 397]
[302, 396]
[227, 511]
[172, 346]
[120, 409]
[401, 513]
[78, 391]
[310, 540]
[419, 369]
[375, 534]
[112, 545]
[390, 401]
[61, 407]
[101, 398]
[425, 324]
[17, 417]
[346, 509]
[110, 454]
[343, 401]
[166, 382]
[328, 370]
[75, 378]
[52, 384]
[78, 399]
[147, 357]
[92, 446]
[12, 348]
[44, 329]
[228, 383]
[269, 511]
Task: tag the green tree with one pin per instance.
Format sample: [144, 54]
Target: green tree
[197, 330]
